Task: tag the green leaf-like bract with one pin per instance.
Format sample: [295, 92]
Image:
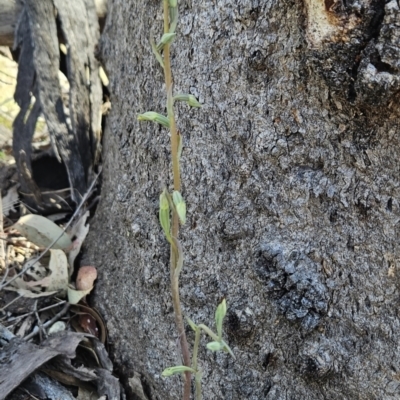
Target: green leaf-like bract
[177, 370]
[155, 117]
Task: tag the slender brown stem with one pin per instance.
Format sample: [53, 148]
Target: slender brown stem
[198, 374]
[168, 84]
[181, 332]
[175, 221]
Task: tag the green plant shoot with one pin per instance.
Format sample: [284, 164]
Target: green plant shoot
[172, 212]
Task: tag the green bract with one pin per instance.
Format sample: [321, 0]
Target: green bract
[180, 206]
[214, 346]
[192, 324]
[167, 38]
[189, 99]
[156, 52]
[219, 317]
[180, 146]
[176, 370]
[173, 15]
[153, 116]
[164, 215]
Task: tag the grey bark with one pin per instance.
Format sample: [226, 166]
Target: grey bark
[76, 136]
[291, 177]
[11, 9]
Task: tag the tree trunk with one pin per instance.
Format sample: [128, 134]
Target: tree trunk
[291, 177]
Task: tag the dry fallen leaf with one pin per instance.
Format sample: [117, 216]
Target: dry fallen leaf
[10, 200]
[34, 269]
[59, 271]
[42, 232]
[75, 296]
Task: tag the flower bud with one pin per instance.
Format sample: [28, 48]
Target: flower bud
[189, 99]
[167, 38]
[193, 101]
[164, 215]
[219, 317]
[214, 346]
[180, 206]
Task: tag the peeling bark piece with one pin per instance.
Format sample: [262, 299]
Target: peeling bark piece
[10, 10]
[61, 369]
[108, 385]
[46, 62]
[25, 122]
[136, 386]
[19, 359]
[44, 387]
[83, 74]
[102, 354]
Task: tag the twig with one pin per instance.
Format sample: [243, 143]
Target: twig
[50, 322]
[40, 325]
[5, 335]
[6, 266]
[30, 394]
[11, 302]
[2, 246]
[32, 312]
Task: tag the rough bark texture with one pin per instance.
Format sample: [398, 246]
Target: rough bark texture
[11, 9]
[291, 176]
[76, 136]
